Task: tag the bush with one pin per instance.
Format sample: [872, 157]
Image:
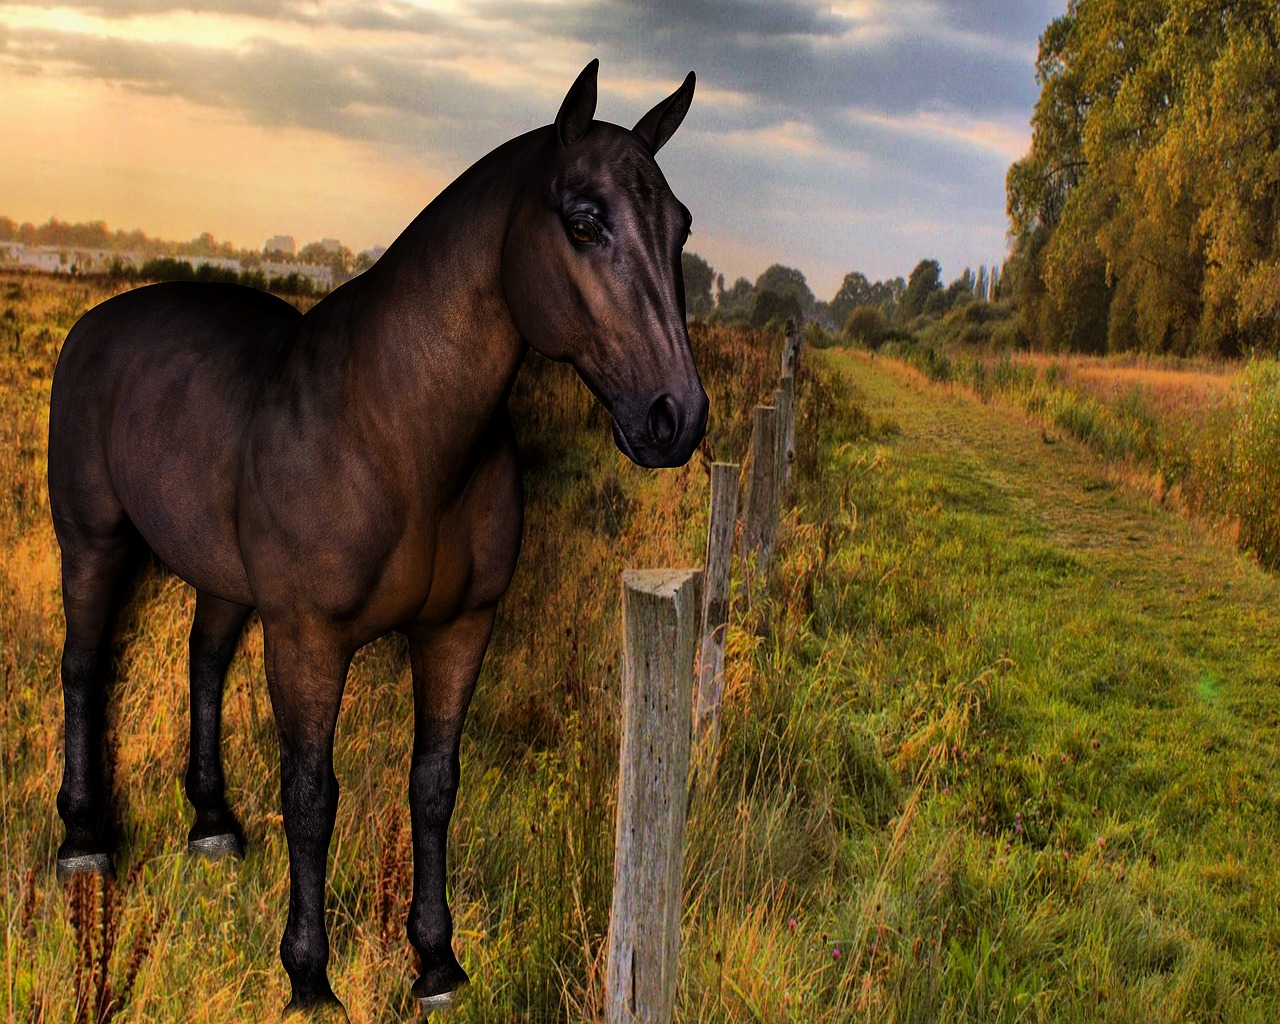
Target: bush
[868, 326]
[1008, 336]
[165, 268]
[816, 336]
[1255, 462]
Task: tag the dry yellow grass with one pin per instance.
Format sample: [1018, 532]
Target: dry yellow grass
[1174, 388]
[533, 831]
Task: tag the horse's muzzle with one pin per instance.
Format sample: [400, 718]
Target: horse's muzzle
[668, 432]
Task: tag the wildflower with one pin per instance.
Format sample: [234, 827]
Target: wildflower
[791, 923]
[835, 953]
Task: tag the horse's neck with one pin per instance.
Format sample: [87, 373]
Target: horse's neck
[431, 345]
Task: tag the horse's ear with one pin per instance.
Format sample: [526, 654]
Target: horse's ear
[662, 121]
[579, 106]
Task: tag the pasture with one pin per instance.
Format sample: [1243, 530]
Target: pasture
[1000, 738]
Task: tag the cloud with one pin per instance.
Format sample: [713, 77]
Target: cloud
[837, 125]
[347, 92]
[797, 57]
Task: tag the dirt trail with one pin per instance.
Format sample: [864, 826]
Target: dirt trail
[1193, 583]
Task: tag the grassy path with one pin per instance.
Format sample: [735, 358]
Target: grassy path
[1103, 758]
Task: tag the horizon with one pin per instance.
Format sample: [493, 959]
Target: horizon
[859, 136]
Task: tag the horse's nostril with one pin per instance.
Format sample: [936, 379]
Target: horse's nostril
[664, 421]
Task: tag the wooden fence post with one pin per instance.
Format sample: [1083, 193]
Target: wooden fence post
[660, 608]
[791, 349]
[715, 600]
[785, 404]
[762, 490]
[790, 367]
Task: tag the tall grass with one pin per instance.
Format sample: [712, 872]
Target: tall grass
[531, 845]
[932, 717]
[1254, 491]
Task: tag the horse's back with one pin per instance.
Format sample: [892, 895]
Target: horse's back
[151, 397]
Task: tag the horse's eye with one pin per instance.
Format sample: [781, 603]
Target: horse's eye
[583, 231]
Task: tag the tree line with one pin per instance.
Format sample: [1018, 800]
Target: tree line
[866, 311]
[1146, 215]
[169, 268]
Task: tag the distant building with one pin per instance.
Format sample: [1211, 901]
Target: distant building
[281, 243]
[221, 262]
[330, 245]
[59, 259]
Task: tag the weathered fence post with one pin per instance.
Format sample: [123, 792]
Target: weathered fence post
[715, 600]
[762, 489]
[784, 401]
[791, 349]
[790, 367]
[660, 609]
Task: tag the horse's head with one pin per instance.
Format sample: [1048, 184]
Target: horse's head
[591, 270]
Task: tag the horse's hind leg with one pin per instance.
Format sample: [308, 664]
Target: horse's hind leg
[214, 635]
[94, 565]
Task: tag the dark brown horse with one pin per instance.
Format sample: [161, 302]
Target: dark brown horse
[353, 471]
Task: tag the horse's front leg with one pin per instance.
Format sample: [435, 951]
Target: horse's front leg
[306, 672]
[446, 661]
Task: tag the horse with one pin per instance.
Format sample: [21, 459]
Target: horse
[353, 471]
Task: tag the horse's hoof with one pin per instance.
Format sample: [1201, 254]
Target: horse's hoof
[215, 847]
[437, 1003]
[86, 864]
[438, 986]
[324, 1008]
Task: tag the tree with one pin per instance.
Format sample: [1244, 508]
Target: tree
[1146, 213]
[961, 290]
[340, 260]
[698, 279]
[854, 291]
[787, 281]
[736, 303]
[771, 306]
[925, 281]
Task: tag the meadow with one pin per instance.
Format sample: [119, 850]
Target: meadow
[1000, 738]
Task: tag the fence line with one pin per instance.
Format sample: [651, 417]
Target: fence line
[669, 614]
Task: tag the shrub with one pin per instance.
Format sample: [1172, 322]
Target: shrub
[1008, 335]
[165, 268]
[868, 326]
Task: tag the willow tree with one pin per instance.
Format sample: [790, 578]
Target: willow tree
[1145, 214]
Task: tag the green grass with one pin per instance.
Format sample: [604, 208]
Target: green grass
[1000, 742]
[1081, 692]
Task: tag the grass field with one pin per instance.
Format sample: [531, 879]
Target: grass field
[1000, 742]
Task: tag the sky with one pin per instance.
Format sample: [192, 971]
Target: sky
[857, 135]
